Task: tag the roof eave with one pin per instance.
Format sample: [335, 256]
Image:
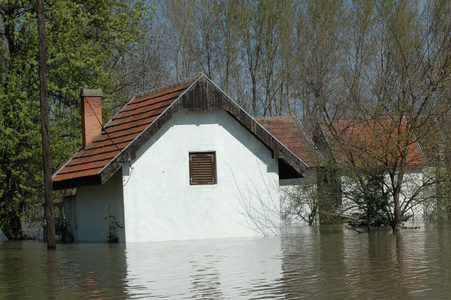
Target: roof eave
[77, 182]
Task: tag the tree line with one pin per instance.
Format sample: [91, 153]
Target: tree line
[317, 59]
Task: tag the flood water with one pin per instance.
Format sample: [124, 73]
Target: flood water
[306, 262]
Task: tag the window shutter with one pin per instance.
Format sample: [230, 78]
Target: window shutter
[202, 167]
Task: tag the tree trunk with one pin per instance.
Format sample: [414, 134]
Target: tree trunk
[49, 209]
[398, 216]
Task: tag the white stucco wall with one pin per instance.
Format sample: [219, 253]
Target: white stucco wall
[91, 207]
[413, 182]
[160, 204]
[433, 205]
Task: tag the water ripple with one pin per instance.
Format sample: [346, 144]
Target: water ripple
[306, 263]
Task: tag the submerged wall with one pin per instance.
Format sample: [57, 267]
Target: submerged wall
[86, 213]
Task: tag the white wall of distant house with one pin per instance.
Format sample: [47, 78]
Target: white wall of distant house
[160, 204]
[304, 191]
[412, 182]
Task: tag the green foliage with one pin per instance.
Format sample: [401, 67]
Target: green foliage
[112, 225]
[372, 201]
[85, 42]
[19, 113]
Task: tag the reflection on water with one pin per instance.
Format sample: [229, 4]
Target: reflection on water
[307, 262]
[207, 269]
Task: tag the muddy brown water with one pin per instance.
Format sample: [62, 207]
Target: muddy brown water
[320, 262]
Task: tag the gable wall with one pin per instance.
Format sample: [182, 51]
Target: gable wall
[160, 204]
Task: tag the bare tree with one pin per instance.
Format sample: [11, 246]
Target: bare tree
[179, 30]
[396, 90]
[318, 59]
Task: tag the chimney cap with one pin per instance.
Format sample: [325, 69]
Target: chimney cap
[91, 93]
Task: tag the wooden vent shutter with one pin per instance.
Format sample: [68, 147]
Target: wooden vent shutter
[202, 168]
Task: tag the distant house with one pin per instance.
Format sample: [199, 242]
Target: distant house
[303, 197]
[376, 148]
[180, 162]
[363, 147]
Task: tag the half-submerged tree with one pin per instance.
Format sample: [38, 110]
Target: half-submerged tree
[381, 167]
[406, 71]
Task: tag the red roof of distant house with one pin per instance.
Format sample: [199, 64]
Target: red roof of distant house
[143, 116]
[289, 132]
[373, 142]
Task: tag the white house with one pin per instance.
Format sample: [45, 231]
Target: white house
[326, 186]
[377, 149]
[181, 162]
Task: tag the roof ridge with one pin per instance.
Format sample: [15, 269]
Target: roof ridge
[167, 87]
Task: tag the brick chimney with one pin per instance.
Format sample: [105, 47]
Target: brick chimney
[91, 114]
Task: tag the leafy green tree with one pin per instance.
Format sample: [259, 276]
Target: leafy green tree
[86, 42]
[19, 118]
[370, 199]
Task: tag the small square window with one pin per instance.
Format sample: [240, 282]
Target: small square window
[202, 168]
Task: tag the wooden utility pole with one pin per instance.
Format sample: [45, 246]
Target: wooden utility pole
[49, 208]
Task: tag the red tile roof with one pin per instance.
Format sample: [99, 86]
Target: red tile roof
[373, 142]
[142, 117]
[289, 132]
[118, 134]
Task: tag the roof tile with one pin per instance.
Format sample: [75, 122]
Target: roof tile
[289, 132]
[373, 142]
[120, 132]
